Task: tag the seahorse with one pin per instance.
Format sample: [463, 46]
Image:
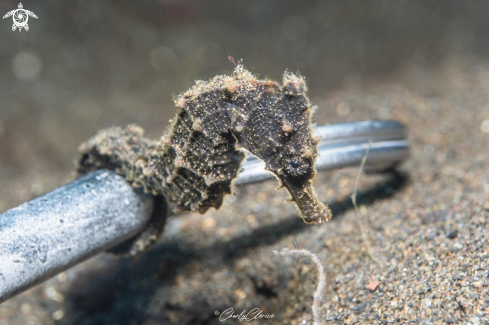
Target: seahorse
[195, 162]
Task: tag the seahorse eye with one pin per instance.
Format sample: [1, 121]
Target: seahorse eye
[295, 165]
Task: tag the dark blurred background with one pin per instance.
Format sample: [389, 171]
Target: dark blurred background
[86, 65]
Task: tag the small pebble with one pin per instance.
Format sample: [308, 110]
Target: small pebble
[458, 246]
[452, 234]
[58, 314]
[485, 126]
[360, 307]
[372, 286]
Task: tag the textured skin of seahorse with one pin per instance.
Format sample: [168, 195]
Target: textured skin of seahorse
[194, 164]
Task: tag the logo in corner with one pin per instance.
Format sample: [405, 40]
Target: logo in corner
[20, 17]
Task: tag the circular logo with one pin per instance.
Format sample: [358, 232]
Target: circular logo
[20, 17]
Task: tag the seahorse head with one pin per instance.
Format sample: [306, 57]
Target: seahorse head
[278, 131]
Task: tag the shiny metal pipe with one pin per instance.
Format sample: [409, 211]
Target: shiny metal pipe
[47, 235]
[53, 232]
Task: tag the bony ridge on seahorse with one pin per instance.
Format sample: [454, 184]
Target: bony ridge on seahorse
[194, 164]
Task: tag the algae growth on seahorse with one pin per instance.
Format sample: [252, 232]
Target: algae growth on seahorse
[194, 164]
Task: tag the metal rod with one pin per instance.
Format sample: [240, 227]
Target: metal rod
[47, 235]
[51, 233]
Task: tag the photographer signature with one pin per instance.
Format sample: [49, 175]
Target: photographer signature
[255, 313]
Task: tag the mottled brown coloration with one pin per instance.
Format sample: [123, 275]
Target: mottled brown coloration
[198, 158]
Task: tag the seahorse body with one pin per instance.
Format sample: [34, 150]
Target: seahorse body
[194, 164]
